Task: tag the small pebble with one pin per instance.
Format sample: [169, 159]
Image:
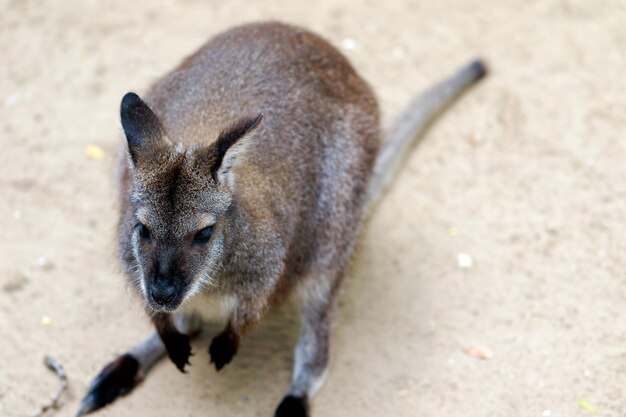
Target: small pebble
[348, 44]
[17, 214]
[11, 100]
[464, 260]
[46, 321]
[546, 413]
[473, 140]
[584, 404]
[44, 263]
[478, 352]
[453, 232]
[94, 152]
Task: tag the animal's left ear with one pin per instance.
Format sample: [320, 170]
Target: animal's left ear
[229, 145]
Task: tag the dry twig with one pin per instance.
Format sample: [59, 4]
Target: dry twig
[56, 367]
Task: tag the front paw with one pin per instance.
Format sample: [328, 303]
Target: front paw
[178, 349]
[292, 406]
[223, 348]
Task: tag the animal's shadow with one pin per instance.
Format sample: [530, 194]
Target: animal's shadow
[258, 375]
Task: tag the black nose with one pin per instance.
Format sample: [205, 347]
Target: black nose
[162, 292]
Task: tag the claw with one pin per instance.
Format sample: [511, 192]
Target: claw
[116, 379]
[223, 348]
[179, 350]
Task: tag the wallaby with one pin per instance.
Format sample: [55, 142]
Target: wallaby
[246, 175]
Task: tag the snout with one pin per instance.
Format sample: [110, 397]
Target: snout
[163, 292]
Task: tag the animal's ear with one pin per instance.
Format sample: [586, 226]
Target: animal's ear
[142, 127]
[230, 144]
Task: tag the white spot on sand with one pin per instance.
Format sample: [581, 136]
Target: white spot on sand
[464, 260]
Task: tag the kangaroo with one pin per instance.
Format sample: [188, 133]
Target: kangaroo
[246, 174]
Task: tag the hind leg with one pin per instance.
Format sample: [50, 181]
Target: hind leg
[119, 377]
[312, 351]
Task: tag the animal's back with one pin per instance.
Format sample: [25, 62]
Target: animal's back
[311, 158]
[292, 74]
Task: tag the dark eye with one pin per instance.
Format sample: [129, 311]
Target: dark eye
[203, 235]
[144, 233]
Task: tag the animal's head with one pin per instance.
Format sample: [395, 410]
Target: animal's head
[180, 197]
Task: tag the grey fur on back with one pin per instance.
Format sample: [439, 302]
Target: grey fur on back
[408, 129]
[300, 182]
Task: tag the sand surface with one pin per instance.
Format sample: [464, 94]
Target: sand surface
[526, 175]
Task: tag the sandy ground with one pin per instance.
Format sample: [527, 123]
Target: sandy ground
[526, 175]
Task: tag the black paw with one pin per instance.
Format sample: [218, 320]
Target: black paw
[116, 379]
[292, 406]
[178, 349]
[223, 348]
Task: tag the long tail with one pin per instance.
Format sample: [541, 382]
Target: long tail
[412, 124]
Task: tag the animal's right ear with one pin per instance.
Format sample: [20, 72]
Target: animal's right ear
[142, 127]
[229, 145]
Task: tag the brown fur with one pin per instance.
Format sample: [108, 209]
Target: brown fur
[300, 183]
[221, 203]
[287, 213]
